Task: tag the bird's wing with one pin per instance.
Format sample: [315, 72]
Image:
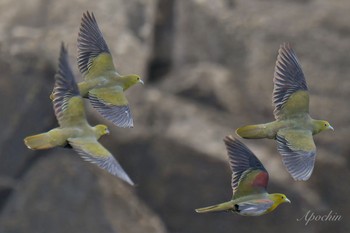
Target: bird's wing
[112, 104]
[248, 174]
[254, 207]
[68, 105]
[290, 94]
[94, 57]
[92, 151]
[298, 152]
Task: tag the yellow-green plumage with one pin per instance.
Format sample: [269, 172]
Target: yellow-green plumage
[249, 183]
[73, 127]
[102, 64]
[44, 141]
[102, 84]
[258, 200]
[293, 127]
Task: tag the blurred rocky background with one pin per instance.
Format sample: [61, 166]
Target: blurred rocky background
[208, 69]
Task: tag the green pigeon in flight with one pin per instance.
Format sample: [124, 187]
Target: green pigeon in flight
[249, 183]
[293, 128]
[102, 84]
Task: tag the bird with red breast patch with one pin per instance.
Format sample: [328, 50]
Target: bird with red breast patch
[249, 183]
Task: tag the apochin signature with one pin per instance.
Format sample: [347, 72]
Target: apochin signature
[313, 217]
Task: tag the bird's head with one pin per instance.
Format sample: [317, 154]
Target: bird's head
[130, 80]
[278, 198]
[101, 130]
[320, 125]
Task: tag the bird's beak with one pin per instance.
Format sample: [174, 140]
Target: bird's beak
[330, 127]
[287, 200]
[107, 131]
[141, 81]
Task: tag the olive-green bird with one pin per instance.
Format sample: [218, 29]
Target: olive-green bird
[293, 128]
[249, 183]
[102, 84]
[74, 130]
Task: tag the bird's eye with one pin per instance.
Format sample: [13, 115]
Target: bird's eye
[325, 124]
[138, 78]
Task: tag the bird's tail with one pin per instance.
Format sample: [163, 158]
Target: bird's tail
[51, 96]
[253, 131]
[214, 208]
[39, 141]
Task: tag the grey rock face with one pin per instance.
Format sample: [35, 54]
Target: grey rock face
[62, 193]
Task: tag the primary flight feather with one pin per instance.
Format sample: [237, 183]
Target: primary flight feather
[249, 183]
[74, 130]
[293, 128]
